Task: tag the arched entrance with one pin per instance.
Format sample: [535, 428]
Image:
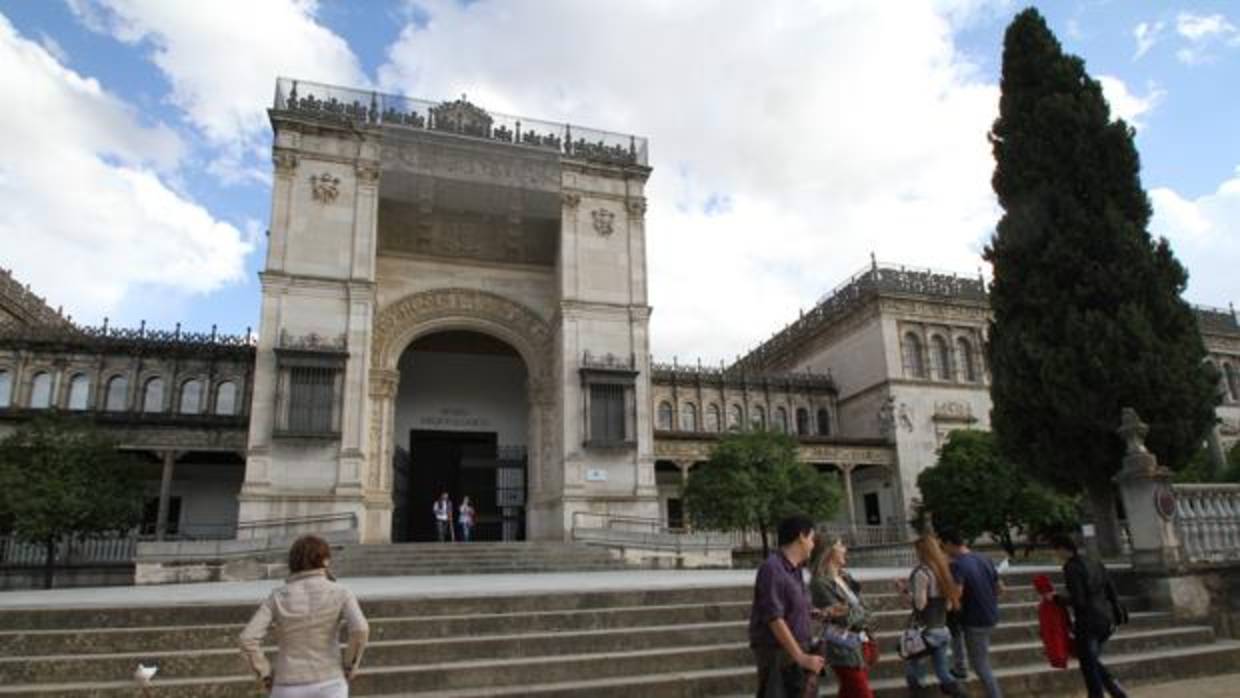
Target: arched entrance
[461, 426]
[460, 399]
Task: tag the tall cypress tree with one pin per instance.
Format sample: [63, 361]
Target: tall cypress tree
[1088, 316]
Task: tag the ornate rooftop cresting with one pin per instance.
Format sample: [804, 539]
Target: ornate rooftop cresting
[1217, 320]
[109, 338]
[459, 117]
[737, 376]
[877, 279]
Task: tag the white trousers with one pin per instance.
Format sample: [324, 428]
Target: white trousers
[332, 688]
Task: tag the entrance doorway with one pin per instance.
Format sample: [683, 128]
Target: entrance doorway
[461, 426]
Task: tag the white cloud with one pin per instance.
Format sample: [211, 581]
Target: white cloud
[835, 130]
[1204, 33]
[84, 214]
[1205, 234]
[1147, 34]
[1125, 104]
[222, 58]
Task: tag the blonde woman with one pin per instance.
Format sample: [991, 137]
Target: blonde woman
[837, 596]
[932, 592]
[307, 612]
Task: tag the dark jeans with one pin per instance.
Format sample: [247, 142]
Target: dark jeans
[778, 675]
[444, 529]
[1097, 677]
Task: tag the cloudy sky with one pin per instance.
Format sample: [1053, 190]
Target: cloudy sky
[789, 140]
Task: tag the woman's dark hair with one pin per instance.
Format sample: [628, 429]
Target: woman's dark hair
[951, 536]
[308, 553]
[1060, 541]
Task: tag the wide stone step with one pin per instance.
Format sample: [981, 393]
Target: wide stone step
[223, 660]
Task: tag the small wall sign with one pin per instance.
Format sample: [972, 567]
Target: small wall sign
[596, 475]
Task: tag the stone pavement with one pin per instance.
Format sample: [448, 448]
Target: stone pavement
[1222, 686]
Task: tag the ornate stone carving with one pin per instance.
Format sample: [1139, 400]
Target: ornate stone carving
[572, 199]
[1132, 430]
[603, 221]
[905, 415]
[325, 187]
[953, 412]
[887, 417]
[461, 116]
[313, 342]
[396, 319]
[636, 206]
[283, 161]
[367, 172]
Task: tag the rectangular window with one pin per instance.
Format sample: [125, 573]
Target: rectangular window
[607, 413]
[311, 400]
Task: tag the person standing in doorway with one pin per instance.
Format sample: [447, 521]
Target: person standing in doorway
[979, 605]
[779, 622]
[442, 510]
[1095, 605]
[465, 516]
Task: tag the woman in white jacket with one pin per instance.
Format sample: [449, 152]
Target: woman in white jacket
[307, 611]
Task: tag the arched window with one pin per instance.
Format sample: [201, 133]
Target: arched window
[711, 417]
[781, 420]
[1233, 380]
[117, 395]
[824, 422]
[964, 358]
[6, 389]
[736, 417]
[191, 397]
[940, 358]
[226, 398]
[914, 362]
[688, 417]
[665, 416]
[802, 421]
[79, 392]
[153, 395]
[41, 391]
[757, 418]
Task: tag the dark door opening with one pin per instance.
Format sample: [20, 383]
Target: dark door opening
[465, 464]
[873, 516]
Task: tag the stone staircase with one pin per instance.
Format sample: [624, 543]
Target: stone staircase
[671, 642]
[399, 559]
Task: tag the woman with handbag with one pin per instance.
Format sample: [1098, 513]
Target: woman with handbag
[837, 596]
[932, 592]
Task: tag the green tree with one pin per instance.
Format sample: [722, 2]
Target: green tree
[751, 480]
[977, 491]
[63, 480]
[1088, 316]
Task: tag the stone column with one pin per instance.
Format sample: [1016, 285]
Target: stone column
[1148, 501]
[165, 490]
[847, 470]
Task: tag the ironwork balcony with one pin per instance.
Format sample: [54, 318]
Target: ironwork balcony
[459, 117]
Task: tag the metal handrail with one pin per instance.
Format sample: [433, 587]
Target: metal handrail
[310, 518]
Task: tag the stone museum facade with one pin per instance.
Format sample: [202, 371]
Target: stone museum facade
[456, 300]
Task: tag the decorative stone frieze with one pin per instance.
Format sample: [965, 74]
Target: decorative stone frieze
[283, 161]
[636, 207]
[603, 221]
[367, 172]
[313, 342]
[572, 199]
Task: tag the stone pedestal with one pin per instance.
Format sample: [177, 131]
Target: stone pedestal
[1145, 487]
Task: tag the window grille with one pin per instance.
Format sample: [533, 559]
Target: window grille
[802, 421]
[6, 389]
[824, 423]
[914, 362]
[964, 355]
[311, 399]
[607, 413]
[940, 359]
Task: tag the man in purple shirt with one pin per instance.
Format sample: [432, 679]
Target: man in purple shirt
[779, 627]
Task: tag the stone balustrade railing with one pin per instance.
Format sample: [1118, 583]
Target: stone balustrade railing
[1207, 521]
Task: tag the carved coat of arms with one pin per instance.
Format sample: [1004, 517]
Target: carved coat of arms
[603, 221]
[325, 187]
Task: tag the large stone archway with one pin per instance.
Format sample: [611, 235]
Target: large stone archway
[401, 323]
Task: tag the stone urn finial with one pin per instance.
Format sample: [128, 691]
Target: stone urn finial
[1132, 430]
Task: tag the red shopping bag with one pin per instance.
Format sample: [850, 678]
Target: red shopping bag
[1054, 625]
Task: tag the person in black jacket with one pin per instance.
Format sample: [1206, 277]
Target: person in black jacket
[1096, 611]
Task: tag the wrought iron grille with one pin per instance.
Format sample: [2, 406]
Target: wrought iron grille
[311, 400]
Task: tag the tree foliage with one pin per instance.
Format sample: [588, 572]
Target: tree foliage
[1088, 316]
[753, 479]
[977, 491]
[61, 480]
